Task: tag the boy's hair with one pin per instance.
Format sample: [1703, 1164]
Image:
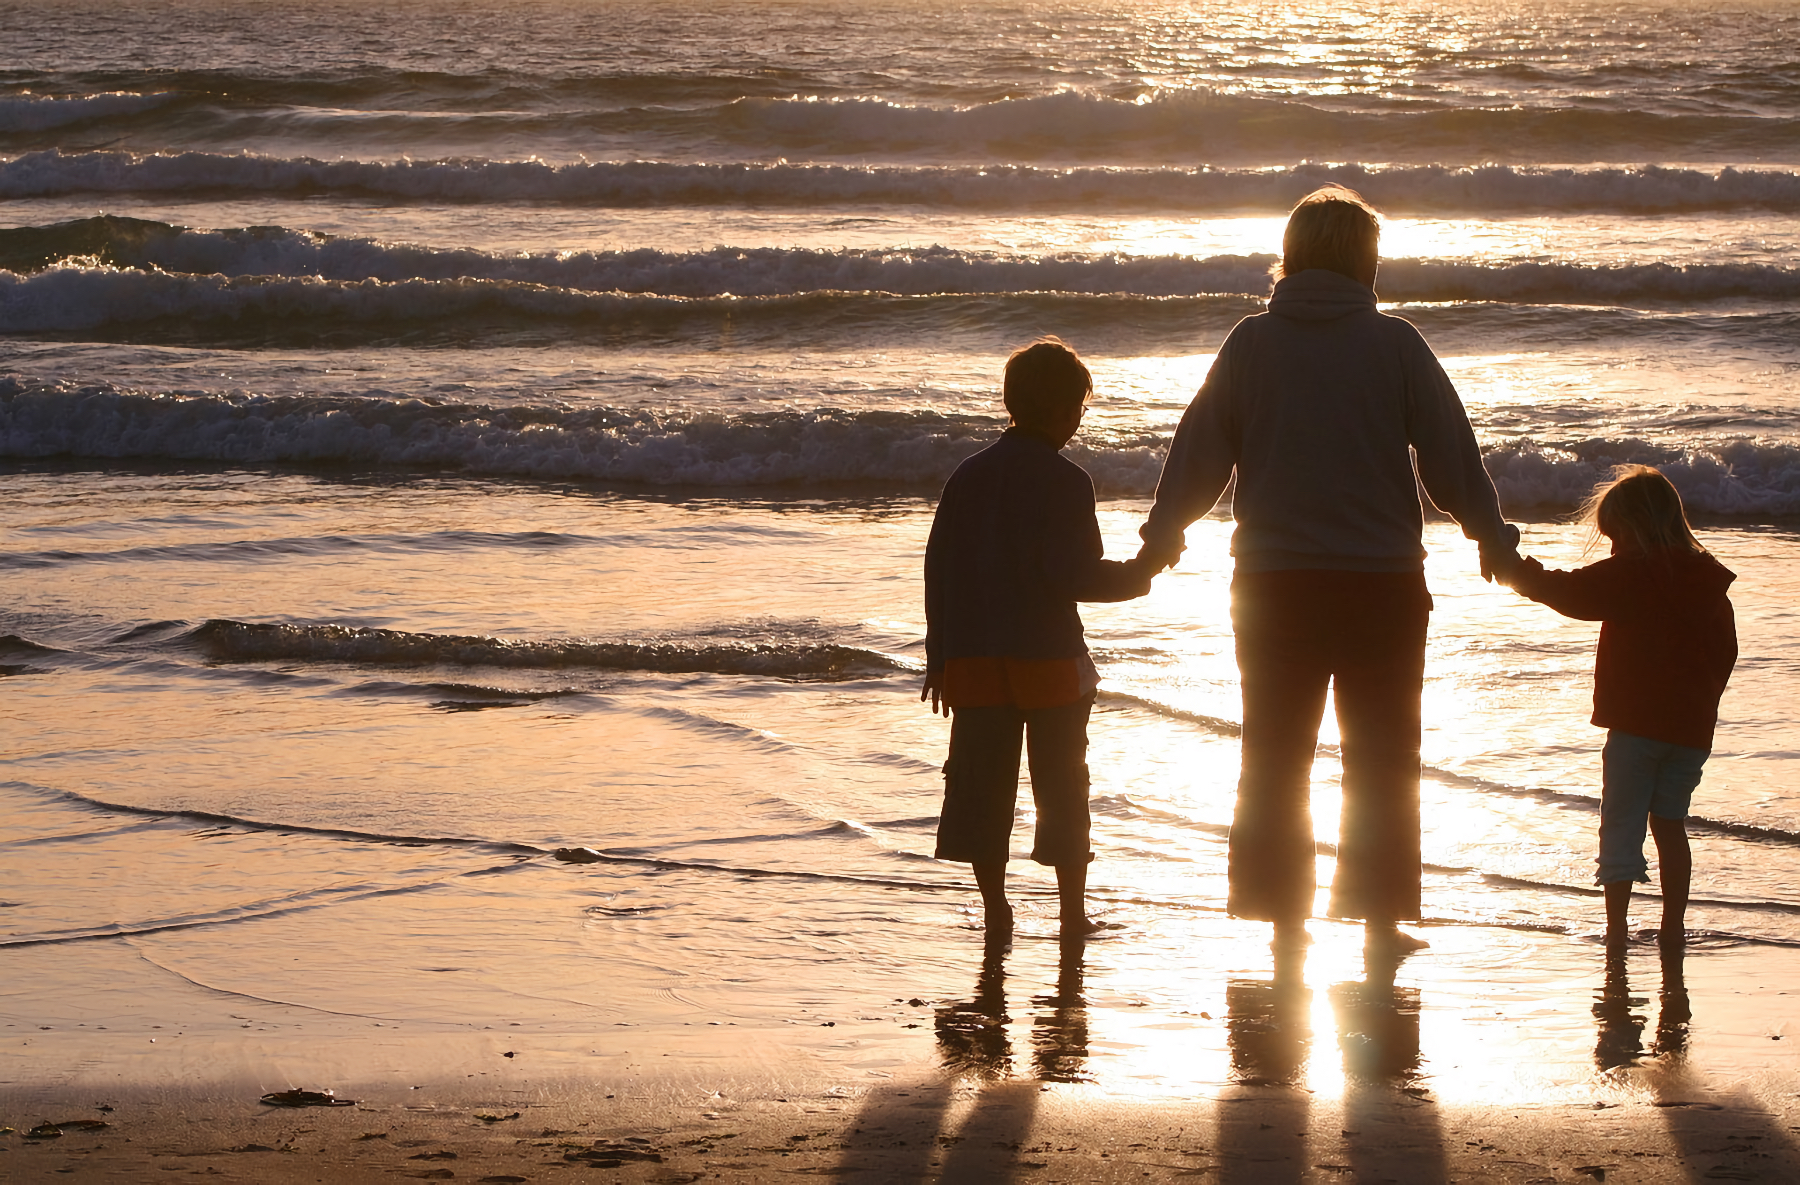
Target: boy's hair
[1642, 510]
[1331, 228]
[1044, 379]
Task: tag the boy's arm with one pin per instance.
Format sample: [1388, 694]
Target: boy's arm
[1119, 580]
[934, 615]
[1593, 593]
[1201, 459]
[1074, 556]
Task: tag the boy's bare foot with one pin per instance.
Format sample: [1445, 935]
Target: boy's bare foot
[1391, 939]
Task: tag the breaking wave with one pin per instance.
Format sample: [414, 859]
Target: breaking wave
[1425, 188]
[1144, 128]
[1738, 476]
[120, 273]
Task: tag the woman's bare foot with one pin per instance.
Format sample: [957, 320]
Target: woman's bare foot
[1290, 935]
[998, 921]
[1081, 927]
[1391, 939]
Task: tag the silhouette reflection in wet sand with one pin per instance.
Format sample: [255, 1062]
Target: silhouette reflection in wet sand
[989, 1114]
[973, 1038]
[1269, 1032]
[1391, 1127]
[1059, 1027]
[972, 1035]
[1268, 1023]
[1619, 1017]
[1378, 1024]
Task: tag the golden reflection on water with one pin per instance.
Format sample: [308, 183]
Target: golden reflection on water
[1480, 1018]
[1279, 1028]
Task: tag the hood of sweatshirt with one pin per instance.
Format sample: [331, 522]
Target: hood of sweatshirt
[1678, 578]
[1319, 295]
[1687, 575]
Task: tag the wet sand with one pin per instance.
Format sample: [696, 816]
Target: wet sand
[1649, 1073]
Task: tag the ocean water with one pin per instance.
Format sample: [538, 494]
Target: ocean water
[433, 435]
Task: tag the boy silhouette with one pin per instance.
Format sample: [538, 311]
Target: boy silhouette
[1015, 544]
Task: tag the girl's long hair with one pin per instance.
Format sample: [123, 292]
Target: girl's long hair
[1640, 510]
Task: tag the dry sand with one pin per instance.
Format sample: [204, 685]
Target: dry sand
[1015, 1130]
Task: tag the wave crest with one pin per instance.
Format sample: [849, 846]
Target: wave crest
[238, 641]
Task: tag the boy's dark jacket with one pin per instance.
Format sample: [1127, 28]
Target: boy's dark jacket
[1014, 545]
[1668, 639]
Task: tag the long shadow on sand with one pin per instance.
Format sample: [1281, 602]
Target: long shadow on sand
[1721, 1136]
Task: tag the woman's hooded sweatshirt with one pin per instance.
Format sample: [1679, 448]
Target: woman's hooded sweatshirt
[1319, 406]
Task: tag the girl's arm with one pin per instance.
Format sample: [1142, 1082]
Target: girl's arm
[1593, 593]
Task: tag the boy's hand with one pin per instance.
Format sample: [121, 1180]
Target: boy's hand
[935, 692]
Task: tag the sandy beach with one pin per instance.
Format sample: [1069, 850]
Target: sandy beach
[145, 1075]
[439, 433]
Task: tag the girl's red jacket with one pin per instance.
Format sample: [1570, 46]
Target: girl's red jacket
[1668, 639]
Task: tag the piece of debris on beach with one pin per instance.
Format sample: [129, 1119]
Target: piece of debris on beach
[306, 1098]
[50, 1131]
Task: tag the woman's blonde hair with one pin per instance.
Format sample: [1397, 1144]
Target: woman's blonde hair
[1331, 228]
[1640, 509]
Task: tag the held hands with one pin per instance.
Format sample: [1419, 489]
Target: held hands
[1499, 559]
[1151, 559]
[1160, 556]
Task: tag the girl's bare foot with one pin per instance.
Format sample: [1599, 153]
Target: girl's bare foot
[998, 921]
[1081, 927]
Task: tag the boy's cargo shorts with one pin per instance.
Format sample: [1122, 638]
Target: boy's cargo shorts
[981, 782]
